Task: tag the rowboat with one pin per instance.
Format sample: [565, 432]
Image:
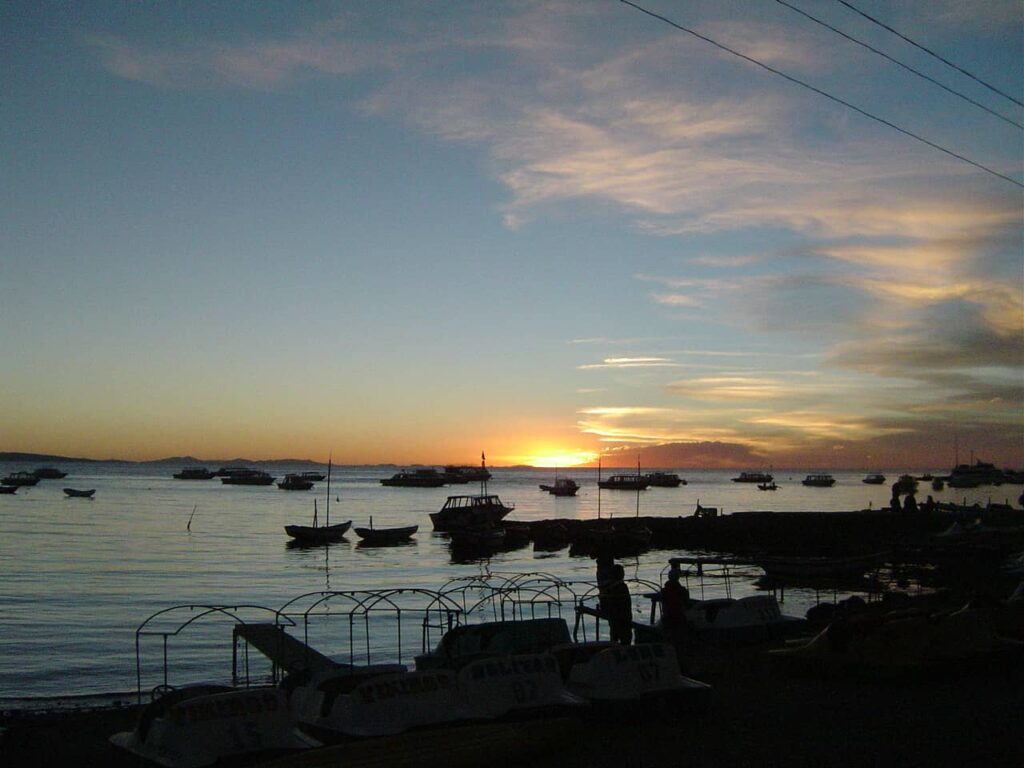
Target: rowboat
[378, 536]
[76, 494]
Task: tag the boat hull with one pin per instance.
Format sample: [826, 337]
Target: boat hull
[309, 534]
[385, 535]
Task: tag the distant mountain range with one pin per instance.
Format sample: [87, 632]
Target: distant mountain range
[46, 458]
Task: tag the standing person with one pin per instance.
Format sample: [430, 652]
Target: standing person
[910, 503]
[674, 600]
[895, 502]
[605, 565]
[617, 606]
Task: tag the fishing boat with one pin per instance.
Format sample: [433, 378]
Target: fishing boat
[419, 478]
[819, 480]
[664, 479]
[768, 486]
[20, 479]
[195, 473]
[753, 477]
[563, 486]
[319, 534]
[247, 477]
[874, 479]
[49, 473]
[77, 494]
[295, 483]
[469, 511]
[636, 482]
[382, 536]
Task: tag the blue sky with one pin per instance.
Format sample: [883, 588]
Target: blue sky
[546, 229]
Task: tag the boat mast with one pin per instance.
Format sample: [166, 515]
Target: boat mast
[329, 457]
[483, 474]
[638, 485]
[598, 487]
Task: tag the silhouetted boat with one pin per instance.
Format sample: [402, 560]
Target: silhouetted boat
[49, 473]
[458, 474]
[419, 478]
[8, 488]
[319, 534]
[874, 479]
[469, 511]
[76, 494]
[973, 475]
[906, 484]
[295, 483]
[624, 483]
[316, 477]
[247, 477]
[386, 535]
[753, 477]
[819, 480]
[20, 479]
[195, 473]
[563, 486]
[664, 479]
[768, 486]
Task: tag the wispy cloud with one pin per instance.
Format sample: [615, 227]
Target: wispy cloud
[631, 362]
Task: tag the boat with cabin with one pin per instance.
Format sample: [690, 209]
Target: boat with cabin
[874, 478]
[49, 473]
[974, 475]
[247, 477]
[664, 479]
[636, 482]
[295, 483]
[563, 486]
[470, 511]
[417, 478]
[315, 477]
[21, 479]
[772, 486]
[195, 473]
[753, 477]
[458, 474]
[819, 480]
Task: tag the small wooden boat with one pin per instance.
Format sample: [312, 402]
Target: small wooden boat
[563, 486]
[318, 534]
[378, 536]
[76, 494]
[768, 486]
[8, 488]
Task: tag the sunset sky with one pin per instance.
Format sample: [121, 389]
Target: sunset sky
[407, 232]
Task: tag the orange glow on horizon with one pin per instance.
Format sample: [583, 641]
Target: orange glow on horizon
[554, 458]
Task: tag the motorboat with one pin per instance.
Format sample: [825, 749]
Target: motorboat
[874, 479]
[767, 486]
[382, 536]
[563, 486]
[625, 483]
[664, 479]
[49, 473]
[195, 473]
[819, 480]
[77, 494]
[418, 478]
[20, 479]
[315, 477]
[247, 477]
[753, 477]
[459, 473]
[470, 511]
[198, 725]
[295, 483]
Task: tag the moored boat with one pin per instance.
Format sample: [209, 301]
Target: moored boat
[316, 477]
[563, 486]
[77, 494]
[379, 536]
[664, 479]
[469, 511]
[819, 480]
[8, 489]
[753, 477]
[49, 473]
[295, 483]
[20, 479]
[418, 478]
[768, 486]
[874, 479]
[625, 483]
[318, 534]
[195, 473]
[459, 474]
[247, 477]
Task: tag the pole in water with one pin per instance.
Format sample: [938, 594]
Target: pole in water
[189, 526]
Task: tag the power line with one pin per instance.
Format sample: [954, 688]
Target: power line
[900, 63]
[960, 69]
[820, 92]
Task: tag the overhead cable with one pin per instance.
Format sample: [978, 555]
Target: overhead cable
[945, 61]
[820, 92]
[900, 63]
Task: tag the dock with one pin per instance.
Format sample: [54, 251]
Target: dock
[287, 653]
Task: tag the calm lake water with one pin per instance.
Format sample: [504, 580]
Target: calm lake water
[80, 576]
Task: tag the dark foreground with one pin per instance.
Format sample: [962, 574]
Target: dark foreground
[761, 715]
